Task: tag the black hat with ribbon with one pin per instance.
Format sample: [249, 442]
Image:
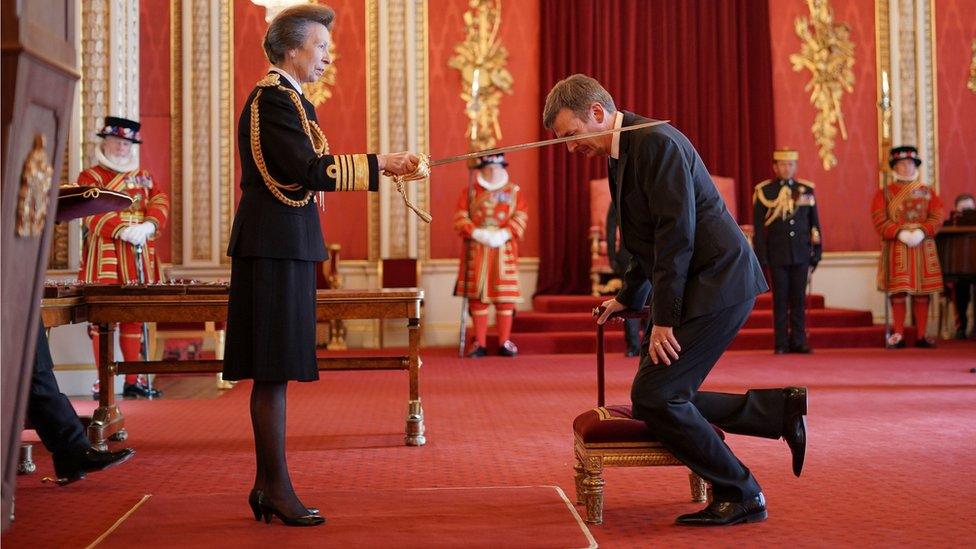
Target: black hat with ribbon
[122, 128]
[492, 160]
[903, 152]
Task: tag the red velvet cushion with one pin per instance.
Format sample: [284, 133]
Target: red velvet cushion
[614, 424]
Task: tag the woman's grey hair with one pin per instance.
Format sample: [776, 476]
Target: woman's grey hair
[575, 93]
[289, 29]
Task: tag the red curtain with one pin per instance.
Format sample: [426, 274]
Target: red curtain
[703, 64]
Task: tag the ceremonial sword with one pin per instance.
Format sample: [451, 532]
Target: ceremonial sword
[545, 143]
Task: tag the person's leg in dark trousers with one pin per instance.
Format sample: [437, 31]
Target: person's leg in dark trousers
[963, 293]
[798, 305]
[781, 299]
[49, 411]
[632, 336]
[664, 397]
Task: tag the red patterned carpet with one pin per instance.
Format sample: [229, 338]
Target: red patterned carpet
[892, 444]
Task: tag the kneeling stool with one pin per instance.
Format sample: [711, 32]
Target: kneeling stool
[609, 436]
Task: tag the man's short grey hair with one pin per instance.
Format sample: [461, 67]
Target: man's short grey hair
[289, 29]
[575, 93]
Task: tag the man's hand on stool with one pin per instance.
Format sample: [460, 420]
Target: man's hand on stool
[610, 307]
[663, 345]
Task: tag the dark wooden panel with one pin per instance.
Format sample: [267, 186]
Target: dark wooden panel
[37, 86]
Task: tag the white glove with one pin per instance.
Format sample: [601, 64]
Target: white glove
[919, 236]
[906, 237]
[131, 235]
[500, 237]
[483, 236]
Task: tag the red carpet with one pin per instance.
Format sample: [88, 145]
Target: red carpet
[524, 516]
[892, 443]
[561, 324]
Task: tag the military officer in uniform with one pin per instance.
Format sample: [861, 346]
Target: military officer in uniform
[491, 226]
[118, 245]
[787, 242]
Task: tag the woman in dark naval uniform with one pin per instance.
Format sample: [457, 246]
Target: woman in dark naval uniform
[276, 242]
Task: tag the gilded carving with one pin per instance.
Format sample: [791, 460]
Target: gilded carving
[35, 185]
[972, 71]
[481, 59]
[176, 128]
[373, 116]
[826, 51]
[201, 130]
[396, 85]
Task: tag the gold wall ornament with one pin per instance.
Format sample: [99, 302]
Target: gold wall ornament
[320, 91]
[972, 71]
[35, 185]
[827, 52]
[481, 59]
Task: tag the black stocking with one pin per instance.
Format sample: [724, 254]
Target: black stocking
[268, 401]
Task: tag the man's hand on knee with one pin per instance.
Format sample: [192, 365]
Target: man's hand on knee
[662, 345]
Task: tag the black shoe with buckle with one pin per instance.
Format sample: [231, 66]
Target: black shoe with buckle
[795, 424]
[73, 467]
[477, 351]
[801, 349]
[726, 513]
[138, 390]
[508, 349]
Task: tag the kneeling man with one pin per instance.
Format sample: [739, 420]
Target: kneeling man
[704, 278]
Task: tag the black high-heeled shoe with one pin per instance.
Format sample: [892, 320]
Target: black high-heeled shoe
[268, 510]
[252, 500]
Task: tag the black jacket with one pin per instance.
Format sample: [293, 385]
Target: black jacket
[793, 239]
[687, 248]
[264, 226]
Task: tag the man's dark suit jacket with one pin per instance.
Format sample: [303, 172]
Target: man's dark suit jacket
[688, 251]
[264, 226]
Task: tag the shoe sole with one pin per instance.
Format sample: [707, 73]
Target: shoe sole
[750, 518]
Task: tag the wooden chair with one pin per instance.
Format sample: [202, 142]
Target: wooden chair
[609, 436]
[398, 273]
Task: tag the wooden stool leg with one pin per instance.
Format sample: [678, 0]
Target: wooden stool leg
[580, 475]
[593, 491]
[699, 488]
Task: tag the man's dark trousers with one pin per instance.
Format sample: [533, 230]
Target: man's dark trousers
[789, 289]
[49, 411]
[668, 400]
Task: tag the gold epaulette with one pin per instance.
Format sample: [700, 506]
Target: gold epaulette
[270, 80]
[807, 183]
[763, 184]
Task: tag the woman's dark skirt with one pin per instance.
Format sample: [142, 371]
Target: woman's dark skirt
[271, 320]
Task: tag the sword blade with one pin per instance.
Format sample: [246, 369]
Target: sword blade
[545, 143]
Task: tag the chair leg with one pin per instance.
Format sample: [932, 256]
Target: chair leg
[580, 475]
[593, 491]
[699, 488]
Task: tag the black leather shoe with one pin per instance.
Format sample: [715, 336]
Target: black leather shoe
[508, 349]
[781, 351]
[477, 352]
[726, 513]
[795, 424]
[925, 343]
[268, 511]
[72, 468]
[801, 349]
[138, 390]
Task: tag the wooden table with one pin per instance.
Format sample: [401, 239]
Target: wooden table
[105, 306]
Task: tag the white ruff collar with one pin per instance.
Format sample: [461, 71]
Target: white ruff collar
[104, 161]
[490, 186]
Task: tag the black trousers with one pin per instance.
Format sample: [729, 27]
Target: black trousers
[48, 410]
[789, 304]
[964, 288]
[668, 400]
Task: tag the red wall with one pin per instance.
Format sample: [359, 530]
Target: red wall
[521, 115]
[342, 117]
[955, 27]
[844, 193]
[154, 102]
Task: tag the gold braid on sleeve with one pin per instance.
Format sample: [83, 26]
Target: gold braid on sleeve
[312, 130]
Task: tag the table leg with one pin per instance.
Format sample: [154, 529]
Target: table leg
[107, 419]
[415, 411]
